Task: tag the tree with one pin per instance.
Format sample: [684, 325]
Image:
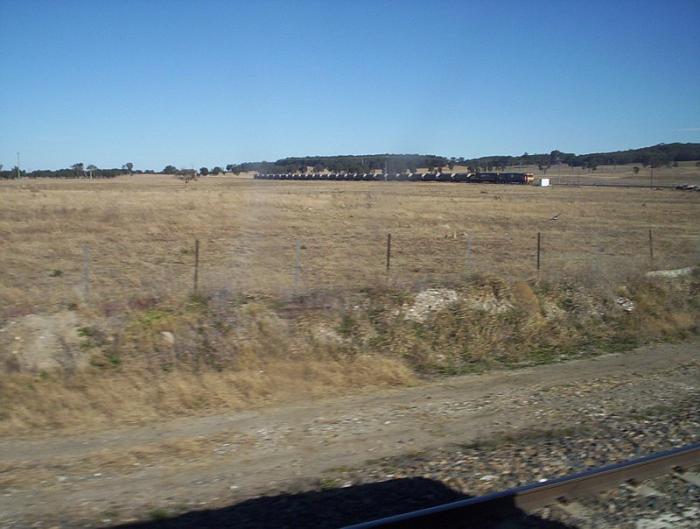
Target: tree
[555, 157]
[203, 171]
[91, 169]
[230, 167]
[79, 168]
[217, 170]
[128, 166]
[170, 169]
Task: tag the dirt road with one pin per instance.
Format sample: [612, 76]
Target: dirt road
[104, 478]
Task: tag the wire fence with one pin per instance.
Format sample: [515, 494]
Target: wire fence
[298, 267]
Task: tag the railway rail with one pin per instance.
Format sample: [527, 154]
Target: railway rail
[562, 492]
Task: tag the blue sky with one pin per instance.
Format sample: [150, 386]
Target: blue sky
[197, 83]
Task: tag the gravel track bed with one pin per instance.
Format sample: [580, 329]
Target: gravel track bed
[393, 485]
[526, 457]
[677, 506]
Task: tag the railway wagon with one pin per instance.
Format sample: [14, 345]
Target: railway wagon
[484, 178]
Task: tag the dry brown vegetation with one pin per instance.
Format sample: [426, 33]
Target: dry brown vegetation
[150, 349]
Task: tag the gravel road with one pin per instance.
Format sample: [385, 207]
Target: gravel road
[338, 461]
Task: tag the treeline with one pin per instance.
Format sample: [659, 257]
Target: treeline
[349, 163]
[78, 170]
[655, 156]
[67, 173]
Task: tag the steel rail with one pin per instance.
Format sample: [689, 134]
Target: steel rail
[533, 496]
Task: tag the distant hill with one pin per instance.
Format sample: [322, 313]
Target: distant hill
[656, 155]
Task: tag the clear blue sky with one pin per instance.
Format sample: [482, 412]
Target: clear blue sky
[213, 82]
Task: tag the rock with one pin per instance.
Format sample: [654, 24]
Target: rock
[43, 342]
[671, 274]
[168, 338]
[429, 301]
[625, 304]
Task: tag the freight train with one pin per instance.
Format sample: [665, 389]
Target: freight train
[487, 178]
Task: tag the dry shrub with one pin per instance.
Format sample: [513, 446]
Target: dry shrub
[525, 298]
[229, 353]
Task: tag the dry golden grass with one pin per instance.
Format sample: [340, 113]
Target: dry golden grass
[141, 233]
[101, 399]
[246, 341]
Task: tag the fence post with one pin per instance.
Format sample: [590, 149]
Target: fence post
[539, 247]
[468, 254]
[86, 273]
[297, 265]
[196, 266]
[388, 252]
[651, 247]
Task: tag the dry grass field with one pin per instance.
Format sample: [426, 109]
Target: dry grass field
[141, 231]
[139, 346]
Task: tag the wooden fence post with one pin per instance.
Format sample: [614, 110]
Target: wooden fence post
[468, 254]
[651, 247]
[539, 247]
[297, 265]
[86, 273]
[388, 252]
[196, 266]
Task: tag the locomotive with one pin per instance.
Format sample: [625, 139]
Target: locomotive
[479, 178]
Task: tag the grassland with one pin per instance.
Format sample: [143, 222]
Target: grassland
[141, 233]
[254, 334]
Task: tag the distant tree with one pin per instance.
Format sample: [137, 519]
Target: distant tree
[128, 167]
[230, 167]
[78, 168]
[217, 170]
[635, 169]
[203, 171]
[656, 161]
[555, 157]
[91, 169]
[170, 169]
